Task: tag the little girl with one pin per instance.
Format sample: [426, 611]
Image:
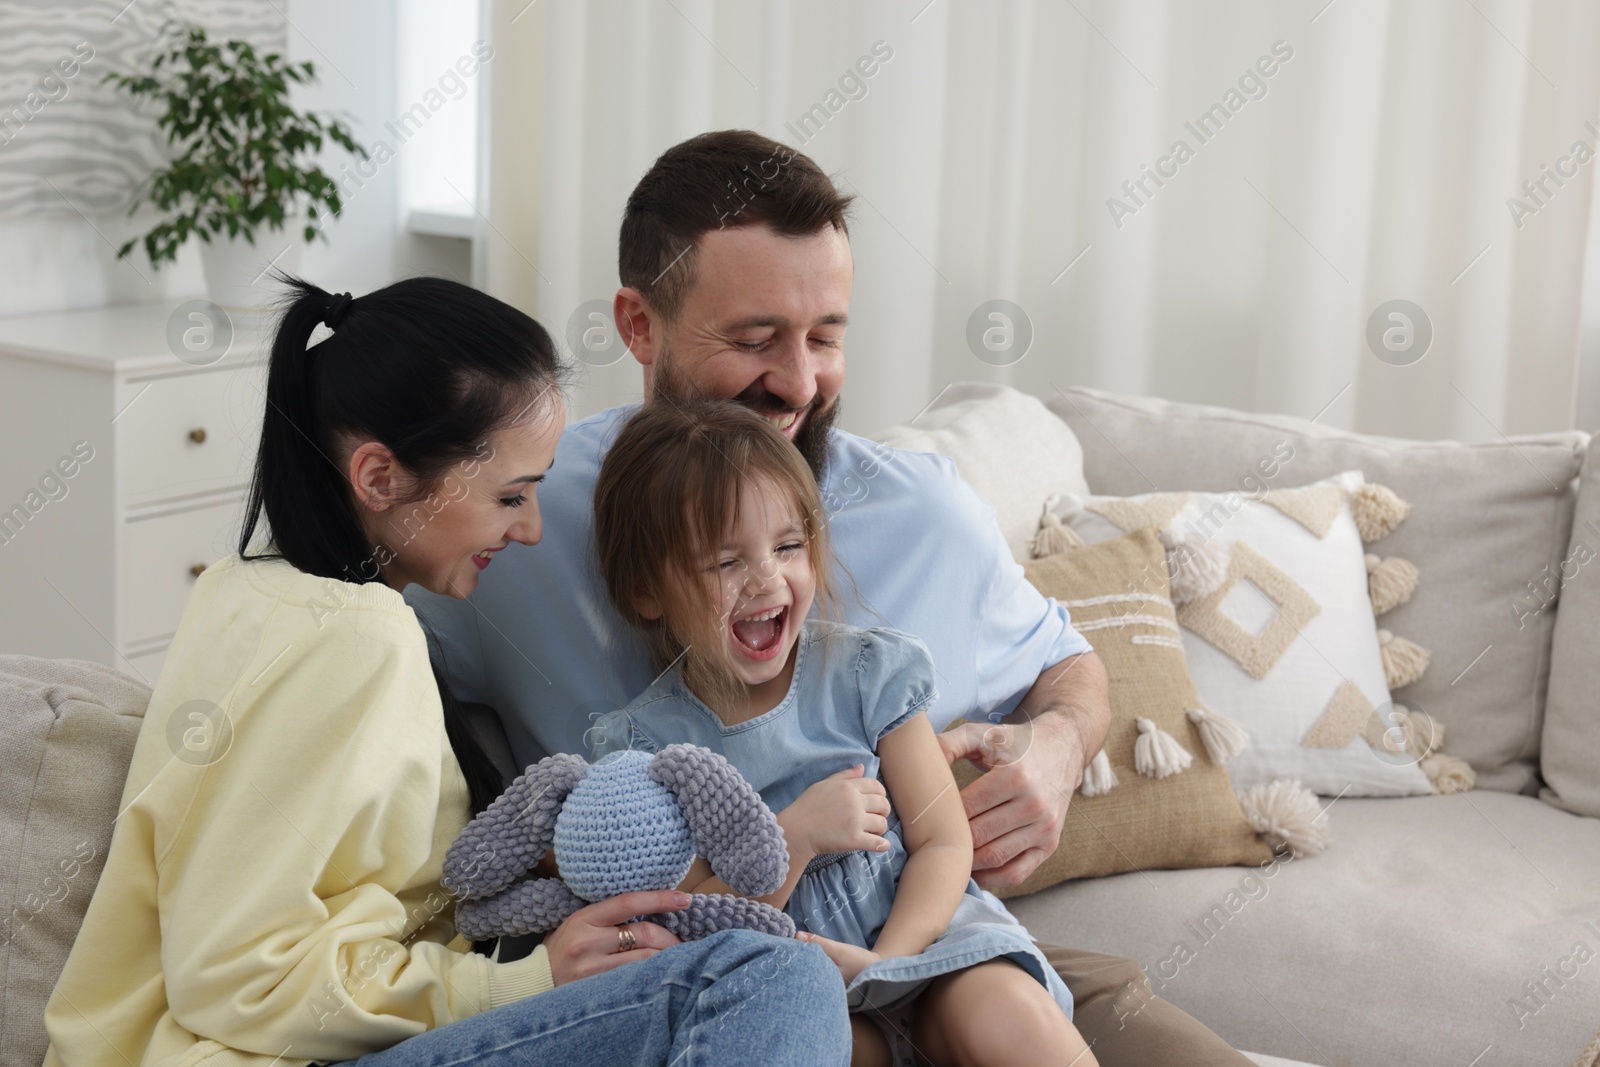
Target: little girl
[711, 537]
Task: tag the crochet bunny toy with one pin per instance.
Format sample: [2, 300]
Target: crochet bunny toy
[632, 821]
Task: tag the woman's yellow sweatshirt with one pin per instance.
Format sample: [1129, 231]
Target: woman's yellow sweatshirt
[271, 894]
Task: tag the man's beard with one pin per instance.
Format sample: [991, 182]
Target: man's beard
[811, 439]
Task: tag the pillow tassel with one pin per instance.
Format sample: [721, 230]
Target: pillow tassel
[1403, 661]
[1424, 734]
[1377, 511]
[1054, 536]
[1194, 570]
[1425, 740]
[1098, 778]
[1223, 738]
[1390, 582]
[1448, 774]
[1157, 753]
[1286, 815]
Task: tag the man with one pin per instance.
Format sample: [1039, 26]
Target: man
[736, 273]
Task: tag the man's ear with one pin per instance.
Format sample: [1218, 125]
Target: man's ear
[632, 313]
[376, 475]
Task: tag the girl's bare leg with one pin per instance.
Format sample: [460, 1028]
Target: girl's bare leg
[867, 1046]
[995, 1015]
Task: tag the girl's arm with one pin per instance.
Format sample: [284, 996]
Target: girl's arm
[700, 879]
[937, 837]
[843, 812]
[933, 824]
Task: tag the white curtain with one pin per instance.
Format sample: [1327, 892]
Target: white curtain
[1356, 152]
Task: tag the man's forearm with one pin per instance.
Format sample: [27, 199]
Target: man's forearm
[1073, 695]
[1018, 808]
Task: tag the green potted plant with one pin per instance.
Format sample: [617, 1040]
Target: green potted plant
[243, 161]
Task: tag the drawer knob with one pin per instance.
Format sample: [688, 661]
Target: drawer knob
[198, 435]
[197, 570]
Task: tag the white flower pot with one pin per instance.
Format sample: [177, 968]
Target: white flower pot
[236, 270]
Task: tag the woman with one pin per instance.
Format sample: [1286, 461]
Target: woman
[271, 894]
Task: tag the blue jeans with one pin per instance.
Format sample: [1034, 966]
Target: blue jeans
[735, 998]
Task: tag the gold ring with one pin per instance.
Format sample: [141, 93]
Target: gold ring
[625, 939]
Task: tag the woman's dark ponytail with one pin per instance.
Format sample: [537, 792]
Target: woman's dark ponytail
[430, 368]
[295, 469]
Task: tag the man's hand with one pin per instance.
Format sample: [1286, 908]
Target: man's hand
[1034, 762]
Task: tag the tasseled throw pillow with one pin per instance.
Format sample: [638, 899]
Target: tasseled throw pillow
[1157, 795]
[1277, 598]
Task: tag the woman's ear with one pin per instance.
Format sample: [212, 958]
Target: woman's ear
[376, 476]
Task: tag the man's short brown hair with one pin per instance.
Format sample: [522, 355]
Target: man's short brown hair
[719, 179]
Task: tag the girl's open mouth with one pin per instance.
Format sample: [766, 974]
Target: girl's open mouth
[760, 636]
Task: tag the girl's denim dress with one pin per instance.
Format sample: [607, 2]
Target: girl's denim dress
[850, 687]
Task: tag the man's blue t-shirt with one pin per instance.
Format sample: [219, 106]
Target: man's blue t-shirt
[540, 643]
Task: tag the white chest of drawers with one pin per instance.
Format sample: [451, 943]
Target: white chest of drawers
[123, 471]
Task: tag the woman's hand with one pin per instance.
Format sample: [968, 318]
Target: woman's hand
[844, 812]
[587, 942]
[850, 959]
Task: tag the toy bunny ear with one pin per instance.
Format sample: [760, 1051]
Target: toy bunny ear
[733, 829]
[530, 907]
[511, 835]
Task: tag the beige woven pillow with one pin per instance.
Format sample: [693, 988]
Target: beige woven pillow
[1190, 818]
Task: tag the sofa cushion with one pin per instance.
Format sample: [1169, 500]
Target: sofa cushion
[1485, 521]
[1117, 594]
[1570, 753]
[67, 730]
[1007, 446]
[1435, 927]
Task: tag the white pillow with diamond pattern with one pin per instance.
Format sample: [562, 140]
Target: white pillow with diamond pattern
[1286, 644]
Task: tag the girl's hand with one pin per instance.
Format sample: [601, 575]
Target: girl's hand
[587, 942]
[850, 959]
[844, 812]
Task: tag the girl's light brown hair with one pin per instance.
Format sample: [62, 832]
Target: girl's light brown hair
[668, 490]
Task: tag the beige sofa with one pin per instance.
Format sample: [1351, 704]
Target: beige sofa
[1408, 942]
[1415, 937]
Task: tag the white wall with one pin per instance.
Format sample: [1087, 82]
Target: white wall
[356, 46]
[73, 148]
[57, 260]
[440, 72]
